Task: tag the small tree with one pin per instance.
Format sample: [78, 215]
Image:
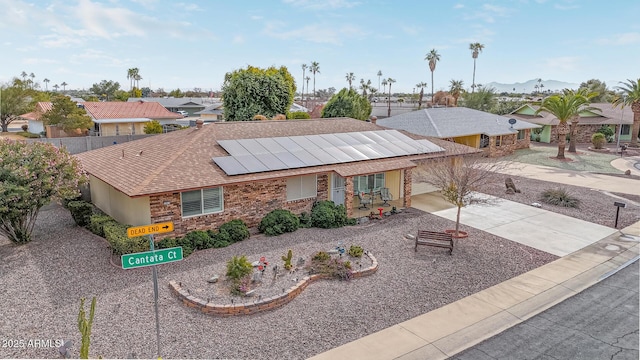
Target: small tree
[347, 103]
[460, 178]
[153, 127]
[66, 114]
[31, 175]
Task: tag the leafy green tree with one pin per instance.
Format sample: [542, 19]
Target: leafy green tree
[599, 87]
[631, 97]
[566, 107]
[14, 102]
[153, 127]
[456, 89]
[347, 103]
[483, 100]
[66, 114]
[251, 91]
[31, 176]
[176, 93]
[121, 95]
[105, 89]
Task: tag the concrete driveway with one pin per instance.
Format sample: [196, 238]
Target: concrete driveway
[538, 228]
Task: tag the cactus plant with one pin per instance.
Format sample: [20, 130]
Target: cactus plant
[84, 325]
[287, 260]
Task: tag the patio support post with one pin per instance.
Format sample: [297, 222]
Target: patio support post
[406, 200]
[348, 195]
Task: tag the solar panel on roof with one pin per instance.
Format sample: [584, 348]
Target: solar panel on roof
[347, 138]
[325, 157]
[307, 158]
[253, 146]
[318, 141]
[287, 143]
[362, 138]
[230, 165]
[333, 139]
[252, 164]
[369, 151]
[271, 161]
[353, 153]
[233, 147]
[338, 154]
[271, 145]
[290, 160]
[396, 151]
[304, 142]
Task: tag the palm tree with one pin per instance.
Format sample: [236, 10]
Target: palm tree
[476, 48]
[307, 78]
[536, 87]
[631, 97]
[350, 77]
[389, 81]
[46, 81]
[315, 68]
[137, 78]
[566, 107]
[539, 82]
[379, 75]
[384, 83]
[421, 86]
[455, 89]
[55, 87]
[24, 76]
[130, 78]
[304, 70]
[432, 57]
[365, 86]
[64, 86]
[541, 86]
[32, 76]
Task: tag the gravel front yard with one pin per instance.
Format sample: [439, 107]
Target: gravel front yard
[44, 280]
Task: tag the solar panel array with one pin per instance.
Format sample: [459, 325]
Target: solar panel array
[249, 156]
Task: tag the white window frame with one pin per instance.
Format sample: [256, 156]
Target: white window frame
[295, 188]
[203, 211]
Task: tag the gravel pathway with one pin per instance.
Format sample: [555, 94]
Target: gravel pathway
[44, 280]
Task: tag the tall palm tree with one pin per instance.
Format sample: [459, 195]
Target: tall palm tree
[476, 48]
[455, 89]
[389, 81]
[130, 74]
[566, 108]
[46, 81]
[55, 87]
[536, 87]
[421, 86]
[365, 86]
[137, 78]
[315, 68]
[379, 75]
[64, 86]
[24, 76]
[631, 97]
[384, 83]
[304, 70]
[307, 78]
[539, 82]
[432, 57]
[32, 76]
[350, 77]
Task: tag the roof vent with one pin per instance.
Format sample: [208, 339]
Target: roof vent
[199, 123]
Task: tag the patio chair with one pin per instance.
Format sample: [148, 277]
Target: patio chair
[364, 201]
[385, 196]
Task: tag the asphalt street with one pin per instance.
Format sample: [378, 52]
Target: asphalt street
[599, 323]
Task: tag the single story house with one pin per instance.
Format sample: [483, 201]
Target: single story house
[109, 118]
[211, 113]
[190, 105]
[494, 134]
[201, 177]
[618, 119]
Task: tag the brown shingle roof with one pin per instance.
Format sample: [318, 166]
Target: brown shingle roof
[182, 160]
[119, 110]
[608, 114]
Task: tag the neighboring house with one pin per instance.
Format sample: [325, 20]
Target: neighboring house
[190, 105]
[204, 176]
[109, 118]
[211, 113]
[589, 122]
[481, 130]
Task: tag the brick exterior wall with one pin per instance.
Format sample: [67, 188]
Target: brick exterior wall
[583, 133]
[249, 202]
[406, 200]
[348, 194]
[508, 145]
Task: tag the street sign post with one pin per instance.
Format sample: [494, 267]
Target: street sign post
[143, 230]
[150, 258]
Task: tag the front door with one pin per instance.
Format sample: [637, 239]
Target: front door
[337, 189]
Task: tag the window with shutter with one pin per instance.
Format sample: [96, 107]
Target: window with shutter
[302, 187]
[203, 201]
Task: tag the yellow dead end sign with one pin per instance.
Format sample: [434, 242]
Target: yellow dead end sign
[143, 230]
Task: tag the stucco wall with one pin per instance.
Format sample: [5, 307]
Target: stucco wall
[126, 210]
[471, 140]
[123, 129]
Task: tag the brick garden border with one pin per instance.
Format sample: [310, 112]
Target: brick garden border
[257, 306]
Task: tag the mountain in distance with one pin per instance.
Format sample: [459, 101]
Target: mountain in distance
[529, 86]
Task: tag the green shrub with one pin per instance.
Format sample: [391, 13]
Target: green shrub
[237, 230]
[298, 115]
[333, 268]
[187, 245]
[321, 256]
[116, 235]
[238, 267]
[153, 127]
[199, 239]
[326, 214]
[607, 131]
[97, 222]
[598, 140]
[305, 220]
[81, 212]
[278, 222]
[167, 243]
[287, 260]
[28, 134]
[559, 197]
[352, 221]
[355, 251]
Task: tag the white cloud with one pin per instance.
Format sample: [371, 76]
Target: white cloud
[256, 17]
[313, 33]
[238, 39]
[563, 63]
[322, 4]
[39, 61]
[620, 39]
[488, 13]
[565, 7]
[189, 7]
[458, 6]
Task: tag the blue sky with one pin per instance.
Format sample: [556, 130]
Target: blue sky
[187, 44]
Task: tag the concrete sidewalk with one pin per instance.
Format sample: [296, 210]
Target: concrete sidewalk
[577, 178]
[452, 328]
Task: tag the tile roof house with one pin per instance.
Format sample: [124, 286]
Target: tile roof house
[111, 117]
[185, 177]
[494, 134]
[190, 105]
[620, 120]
